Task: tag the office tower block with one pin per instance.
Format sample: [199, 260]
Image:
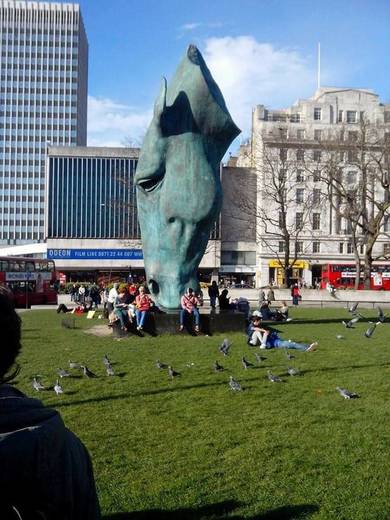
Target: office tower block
[43, 101]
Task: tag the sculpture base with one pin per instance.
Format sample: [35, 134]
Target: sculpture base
[168, 323]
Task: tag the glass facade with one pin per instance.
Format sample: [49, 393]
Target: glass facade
[43, 99]
[92, 197]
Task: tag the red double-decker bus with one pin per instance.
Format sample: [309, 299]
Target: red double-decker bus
[344, 275]
[31, 280]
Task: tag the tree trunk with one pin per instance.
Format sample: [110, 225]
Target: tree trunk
[368, 265]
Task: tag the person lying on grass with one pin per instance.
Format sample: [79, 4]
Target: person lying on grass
[267, 338]
[46, 471]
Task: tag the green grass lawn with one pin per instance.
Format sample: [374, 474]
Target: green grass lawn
[192, 448]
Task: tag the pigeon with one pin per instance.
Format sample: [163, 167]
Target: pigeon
[161, 366]
[350, 324]
[106, 361]
[289, 356]
[381, 316]
[110, 370]
[58, 388]
[346, 393]
[246, 364]
[224, 347]
[172, 373]
[87, 372]
[217, 367]
[339, 336]
[370, 331]
[72, 364]
[259, 358]
[190, 365]
[37, 385]
[62, 373]
[234, 385]
[352, 308]
[293, 371]
[273, 378]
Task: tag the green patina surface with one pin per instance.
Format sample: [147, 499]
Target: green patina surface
[179, 191]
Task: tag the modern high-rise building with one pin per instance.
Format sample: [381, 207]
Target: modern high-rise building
[43, 101]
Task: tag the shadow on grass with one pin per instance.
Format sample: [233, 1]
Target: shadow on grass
[215, 511]
[157, 391]
[343, 367]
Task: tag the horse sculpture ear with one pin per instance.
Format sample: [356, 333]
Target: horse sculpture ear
[161, 103]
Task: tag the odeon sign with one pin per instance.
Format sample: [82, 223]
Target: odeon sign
[95, 254]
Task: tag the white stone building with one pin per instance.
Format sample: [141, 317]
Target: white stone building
[293, 142]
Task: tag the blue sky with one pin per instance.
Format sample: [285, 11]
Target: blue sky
[259, 52]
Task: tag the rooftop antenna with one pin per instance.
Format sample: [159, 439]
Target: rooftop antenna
[319, 66]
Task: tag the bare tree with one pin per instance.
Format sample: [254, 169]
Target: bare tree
[284, 210]
[355, 171]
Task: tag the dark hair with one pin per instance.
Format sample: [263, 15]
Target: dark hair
[10, 327]
[190, 290]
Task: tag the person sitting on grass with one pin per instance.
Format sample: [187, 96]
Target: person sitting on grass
[189, 303]
[143, 304]
[46, 471]
[266, 338]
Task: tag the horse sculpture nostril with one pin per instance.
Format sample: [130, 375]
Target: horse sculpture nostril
[171, 220]
[154, 287]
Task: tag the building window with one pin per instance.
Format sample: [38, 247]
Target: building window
[317, 114]
[316, 221]
[351, 116]
[386, 248]
[386, 224]
[299, 220]
[300, 195]
[301, 133]
[238, 258]
[341, 247]
[316, 196]
[300, 176]
[361, 248]
[352, 156]
[295, 118]
[316, 176]
[282, 175]
[283, 133]
[316, 247]
[283, 154]
[351, 177]
[300, 155]
[349, 248]
[298, 246]
[352, 137]
[317, 155]
[340, 116]
[386, 116]
[317, 135]
[281, 247]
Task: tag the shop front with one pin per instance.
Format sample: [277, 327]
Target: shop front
[295, 274]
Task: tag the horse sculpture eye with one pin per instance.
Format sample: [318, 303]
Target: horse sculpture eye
[152, 183]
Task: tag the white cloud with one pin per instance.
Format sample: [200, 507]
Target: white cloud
[111, 123]
[250, 73]
[190, 26]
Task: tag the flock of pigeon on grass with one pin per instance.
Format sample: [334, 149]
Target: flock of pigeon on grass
[61, 372]
[224, 349]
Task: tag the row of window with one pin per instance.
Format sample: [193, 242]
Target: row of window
[350, 155]
[316, 247]
[22, 198]
[7, 222]
[27, 28]
[32, 54]
[12, 186]
[300, 196]
[31, 89]
[30, 126]
[23, 211]
[37, 78]
[24, 236]
[43, 66]
[318, 135]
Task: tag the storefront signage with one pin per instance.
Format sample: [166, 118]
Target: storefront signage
[26, 276]
[298, 264]
[95, 254]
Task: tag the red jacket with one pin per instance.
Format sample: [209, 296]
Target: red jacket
[143, 302]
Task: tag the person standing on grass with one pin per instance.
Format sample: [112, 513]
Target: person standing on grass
[266, 338]
[213, 294]
[46, 471]
[189, 305]
[143, 304]
[295, 294]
